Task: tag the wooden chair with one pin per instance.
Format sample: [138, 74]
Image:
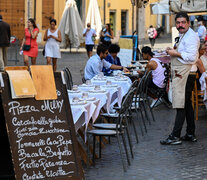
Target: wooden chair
[197, 98]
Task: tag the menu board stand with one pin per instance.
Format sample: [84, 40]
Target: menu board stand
[41, 136]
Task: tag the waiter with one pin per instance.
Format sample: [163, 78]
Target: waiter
[183, 58]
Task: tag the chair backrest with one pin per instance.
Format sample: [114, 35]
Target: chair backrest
[82, 75]
[166, 74]
[68, 78]
[126, 103]
[146, 79]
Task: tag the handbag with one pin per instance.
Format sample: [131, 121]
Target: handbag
[43, 51]
[27, 47]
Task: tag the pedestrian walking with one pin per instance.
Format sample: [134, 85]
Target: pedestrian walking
[183, 68]
[106, 35]
[29, 43]
[201, 31]
[52, 37]
[5, 34]
[152, 34]
[90, 35]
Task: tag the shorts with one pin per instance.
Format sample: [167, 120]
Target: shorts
[89, 47]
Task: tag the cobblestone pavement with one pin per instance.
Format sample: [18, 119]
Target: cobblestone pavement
[152, 161]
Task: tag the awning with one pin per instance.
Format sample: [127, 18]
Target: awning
[71, 26]
[190, 6]
[161, 7]
[93, 16]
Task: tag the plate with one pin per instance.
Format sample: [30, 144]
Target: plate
[97, 91]
[85, 85]
[100, 79]
[79, 103]
[88, 99]
[121, 79]
[72, 91]
[111, 85]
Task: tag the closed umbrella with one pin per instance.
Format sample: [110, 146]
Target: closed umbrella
[93, 16]
[161, 7]
[71, 26]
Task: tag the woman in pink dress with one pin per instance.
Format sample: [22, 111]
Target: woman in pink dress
[30, 38]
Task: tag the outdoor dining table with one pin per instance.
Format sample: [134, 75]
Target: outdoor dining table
[121, 81]
[106, 97]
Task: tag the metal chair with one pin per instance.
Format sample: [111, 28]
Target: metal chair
[144, 96]
[118, 129]
[131, 108]
[68, 78]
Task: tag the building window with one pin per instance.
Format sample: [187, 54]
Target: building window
[124, 22]
[113, 21]
[47, 12]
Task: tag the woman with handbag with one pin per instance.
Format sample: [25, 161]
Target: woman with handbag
[52, 49]
[152, 34]
[106, 35]
[29, 43]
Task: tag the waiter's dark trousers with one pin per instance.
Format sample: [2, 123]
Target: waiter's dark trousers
[186, 112]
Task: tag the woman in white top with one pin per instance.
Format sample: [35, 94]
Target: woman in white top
[204, 56]
[52, 49]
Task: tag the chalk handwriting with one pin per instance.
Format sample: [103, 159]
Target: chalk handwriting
[52, 105]
[33, 176]
[16, 109]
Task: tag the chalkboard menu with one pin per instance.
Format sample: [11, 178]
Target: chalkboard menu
[42, 136]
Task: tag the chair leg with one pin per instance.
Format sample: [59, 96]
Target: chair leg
[125, 148]
[99, 146]
[129, 139]
[139, 123]
[145, 110]
[94, 148]
[121, 153]
[152, 114]
[135, 132]
[143, 121]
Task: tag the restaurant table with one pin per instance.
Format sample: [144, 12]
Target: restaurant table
[124, 84]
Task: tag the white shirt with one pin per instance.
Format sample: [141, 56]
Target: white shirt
[94, 66]
[89, 35]
[201, 32]
[188, 48]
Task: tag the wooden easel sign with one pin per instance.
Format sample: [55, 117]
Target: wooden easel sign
[42, 135]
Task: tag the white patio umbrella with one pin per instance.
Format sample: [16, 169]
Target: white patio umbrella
[71, 26]
[161, 7]
[93, 16]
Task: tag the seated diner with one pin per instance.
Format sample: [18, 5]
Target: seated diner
[112, 58]
[96, 63]
[159, 72]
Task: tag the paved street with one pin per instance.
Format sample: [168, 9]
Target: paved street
[152, 161]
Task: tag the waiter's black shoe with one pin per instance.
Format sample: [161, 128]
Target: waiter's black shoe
[189, 137]
[171, 140]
